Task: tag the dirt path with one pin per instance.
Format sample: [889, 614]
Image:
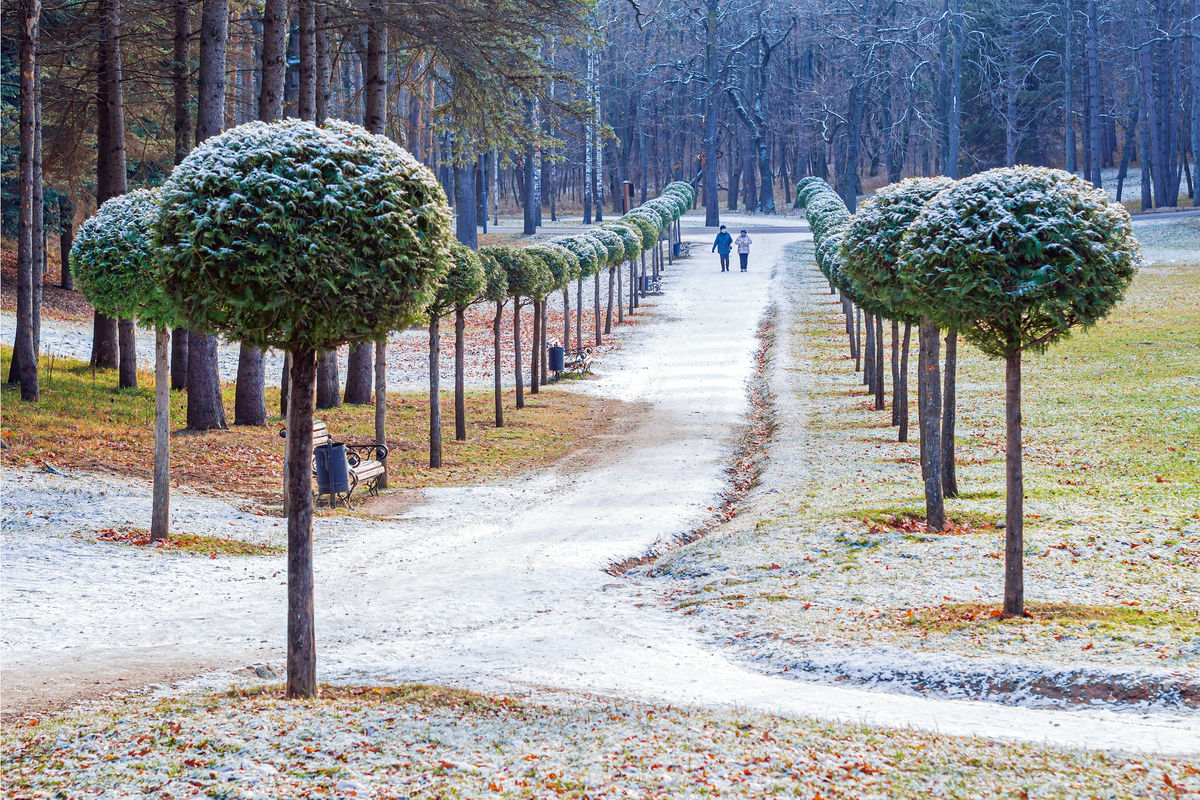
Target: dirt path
[503, 584]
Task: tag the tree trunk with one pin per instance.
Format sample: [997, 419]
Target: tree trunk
[949, 471]
[161, 505]
[1195, 104]
[579, 314]
[179, 358]
[1092, 34]
[712, 209]
[895, 372]
[902, 394]
[307, 100]
[1014, 486]
[466, 219]
[381, 400]
[435, 406]
[955, 100]
[868, 378]
[930, 402]
[621, 291]
[127, 373]
[529, 198]
[249, 402]
[520, 378]
[205, 410]
[534, 347]
[328, 382]
[1068, 66]
[596, 308]
[566, 296]
[612, 278]
[358, 375]
[25, 363]
[274, 45]
[66, 237]
[879, 403]
[543, 352]
[301, 632]
[180, 68]
[460, 389]
[499, 387]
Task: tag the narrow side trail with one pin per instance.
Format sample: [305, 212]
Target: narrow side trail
[503, 585]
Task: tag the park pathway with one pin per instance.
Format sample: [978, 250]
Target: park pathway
[503, 585]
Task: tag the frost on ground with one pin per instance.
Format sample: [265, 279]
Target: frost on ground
[823, 573]
[417, 741]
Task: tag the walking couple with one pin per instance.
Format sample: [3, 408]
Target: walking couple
[725, 243]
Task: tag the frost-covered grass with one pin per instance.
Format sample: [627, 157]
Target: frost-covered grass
[824, 557]
[428, 742]
[83, 422]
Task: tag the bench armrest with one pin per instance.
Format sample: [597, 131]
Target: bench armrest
[356, 453]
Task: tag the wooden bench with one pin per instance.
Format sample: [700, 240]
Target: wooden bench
[366, 464]
[579, 363]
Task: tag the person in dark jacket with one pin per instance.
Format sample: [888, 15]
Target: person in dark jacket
[722, 246]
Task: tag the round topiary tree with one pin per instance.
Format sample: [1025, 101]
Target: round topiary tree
[631, 237]
[614, 251]
[113, 263]
[870, 259]
[592, 257]
[462, 285]
[572, 273]
[526, 276]
[303, 238]
[1015, 258]
[496, 291]
[558, 264]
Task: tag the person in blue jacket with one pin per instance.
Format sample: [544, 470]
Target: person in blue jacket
[722, 246]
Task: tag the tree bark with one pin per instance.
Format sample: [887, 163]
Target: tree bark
[160, 513]
[902, 394]
[929, 403]
[179, 358]
[66, 237]
[1195, 77]
[712, 207]
[1014, 485]
[435, 406]
[25, 363]
[499, 388]
[949, 411]
[307, 100]
[460, 389]
[596, 309]
[520, 379]
[181, 38]
[328, 383]
[274, 46]
[127, 372]
[358, 375]
[205, 410]
[381, 400]
[612, 278]
[1092, 47]
[579, 314]
[879, 387]
[566, 296]
[466, 213]
[895, 372]
[249, 402]
[534, 347]
[301, 632]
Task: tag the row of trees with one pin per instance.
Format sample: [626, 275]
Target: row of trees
[306, 238]
[1014, 258]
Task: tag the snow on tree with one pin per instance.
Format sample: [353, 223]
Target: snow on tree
[113, 263]
[303, 238]
[1016, 258]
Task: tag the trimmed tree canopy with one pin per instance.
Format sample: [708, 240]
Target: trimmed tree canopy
[683, 189]
[525, 274]
[464, 281]
[630, 234]
[495, 287]
[572, 263]
[613, 245]
[591, 255]
[290, 235]
[645, 224]
[870, 247]
[557, 264]
[113, 260]
[1015, 257]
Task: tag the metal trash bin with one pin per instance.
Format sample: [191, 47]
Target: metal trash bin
[646, 281]
[675, 250]
[556, 356]
[333, 476]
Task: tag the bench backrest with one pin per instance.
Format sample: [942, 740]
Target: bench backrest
[320, 434]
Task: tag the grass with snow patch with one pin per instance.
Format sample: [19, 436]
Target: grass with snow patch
[429, 742]
[1112, 480]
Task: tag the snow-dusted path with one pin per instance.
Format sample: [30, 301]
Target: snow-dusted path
[503, 584]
